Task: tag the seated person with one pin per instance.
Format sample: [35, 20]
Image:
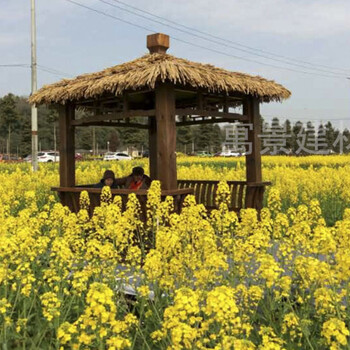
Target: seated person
[107, 180]
[137, 180]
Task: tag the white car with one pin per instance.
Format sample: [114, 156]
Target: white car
[231, 154]
[48, 157]
[116, 156]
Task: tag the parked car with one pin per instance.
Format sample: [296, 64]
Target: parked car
[116, 156]
[203, 154]
[78, 156]
[28, 158]
[231, 154]
[9, 159]
[48, 157]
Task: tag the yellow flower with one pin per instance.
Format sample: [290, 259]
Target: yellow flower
[4, 305]
[221, 305]
[144, 291]
[50, 305]
[335, 332]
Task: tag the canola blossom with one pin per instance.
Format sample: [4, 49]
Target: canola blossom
[195, 280]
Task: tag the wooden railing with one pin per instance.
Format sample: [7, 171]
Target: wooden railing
[243, 194]
[70, 196]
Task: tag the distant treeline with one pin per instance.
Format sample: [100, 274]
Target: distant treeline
[15, 132]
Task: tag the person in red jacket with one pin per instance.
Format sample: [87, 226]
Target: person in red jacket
[137, 180]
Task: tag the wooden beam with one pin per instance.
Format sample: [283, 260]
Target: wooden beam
[205, 121]
[166, 136]
[200, 101]
[206, 113]
[125, 103]
[231, 95]
[253, 160]
[226, 106]
[111, 98]
[117, 125]
[67, 145]
[115, 116]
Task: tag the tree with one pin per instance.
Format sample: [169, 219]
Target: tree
[289, 136]
[114, 140]
[330, 135]
[346, 140]
[48, 118]
[133, 137]
[296, 130]
[83, 138]
[321, 140]
[184, 137]
[208, 137]
[24, 114]
[9, 121]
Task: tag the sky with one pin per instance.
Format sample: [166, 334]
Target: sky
[301, 44]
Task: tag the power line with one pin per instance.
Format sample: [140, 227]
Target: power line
[246, 50]
[254, 61]
[203, 47]
[22, 65]
[53, 71]
[230, 41]
[40, 67]
[110, 16]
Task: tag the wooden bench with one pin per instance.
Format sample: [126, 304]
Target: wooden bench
[243, 194]
[70, 196]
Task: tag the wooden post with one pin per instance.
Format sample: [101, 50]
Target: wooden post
[166, 136]
[253, 160]
[67, 145]
[158, 43]
[152, 140]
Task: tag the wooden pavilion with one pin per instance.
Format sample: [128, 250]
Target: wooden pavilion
[163, 92]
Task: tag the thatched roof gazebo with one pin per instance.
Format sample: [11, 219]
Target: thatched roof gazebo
[166, 92]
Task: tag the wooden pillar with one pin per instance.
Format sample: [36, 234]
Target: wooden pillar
[166, 136]
[254, 195]
[67, 145]
[152, 140]
[253, 160]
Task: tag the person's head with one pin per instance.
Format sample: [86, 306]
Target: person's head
[108, 177]
[137, 173]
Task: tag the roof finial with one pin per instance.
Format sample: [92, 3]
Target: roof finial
[157, 43]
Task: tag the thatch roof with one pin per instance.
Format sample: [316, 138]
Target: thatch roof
[145, 71]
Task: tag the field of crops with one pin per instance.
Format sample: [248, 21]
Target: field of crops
[197, 281]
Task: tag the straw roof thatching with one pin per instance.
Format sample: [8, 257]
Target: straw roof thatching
[145, 71]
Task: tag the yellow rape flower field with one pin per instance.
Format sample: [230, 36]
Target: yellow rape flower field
[196, 280]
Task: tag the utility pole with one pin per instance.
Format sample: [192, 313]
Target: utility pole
[9, 143]
[34, 88]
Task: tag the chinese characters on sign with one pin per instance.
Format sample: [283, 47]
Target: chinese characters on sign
[276, 139]
[237, 138]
